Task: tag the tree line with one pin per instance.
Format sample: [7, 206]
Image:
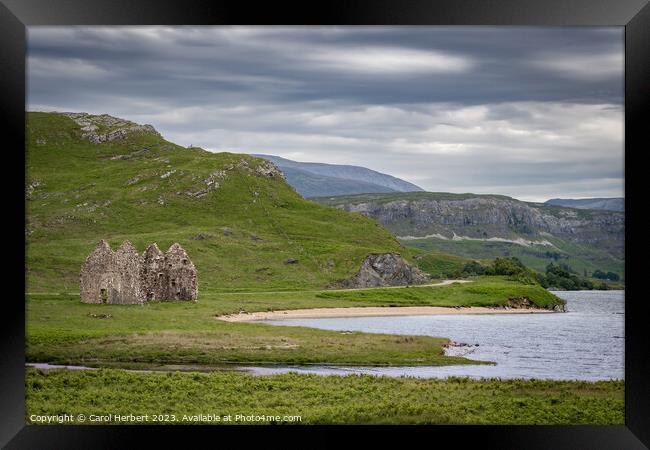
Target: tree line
[558, 276]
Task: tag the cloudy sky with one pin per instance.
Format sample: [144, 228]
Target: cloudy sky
[533, 113]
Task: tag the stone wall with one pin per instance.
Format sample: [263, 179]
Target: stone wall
[126, 277]
[128, 267]
[154, 276]
[98, 274]
[181, 274]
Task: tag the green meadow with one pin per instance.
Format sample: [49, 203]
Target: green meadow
[61, 329]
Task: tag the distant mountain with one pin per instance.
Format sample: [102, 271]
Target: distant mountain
[609, 204]
[322, 180]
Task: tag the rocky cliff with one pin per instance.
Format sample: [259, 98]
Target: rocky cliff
[489, 218]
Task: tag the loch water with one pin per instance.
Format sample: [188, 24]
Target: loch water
[585, 343]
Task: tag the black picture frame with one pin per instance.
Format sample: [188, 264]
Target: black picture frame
[634, 15]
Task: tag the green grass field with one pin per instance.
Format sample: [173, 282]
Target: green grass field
[321, 400]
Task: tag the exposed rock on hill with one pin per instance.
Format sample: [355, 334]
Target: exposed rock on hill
[263, 169]
[385, 269]
[268, 169]
[105, 128]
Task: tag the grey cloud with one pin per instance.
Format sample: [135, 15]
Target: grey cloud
[503, 61]
[536, 112]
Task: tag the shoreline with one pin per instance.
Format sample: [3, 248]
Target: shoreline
[374, 311]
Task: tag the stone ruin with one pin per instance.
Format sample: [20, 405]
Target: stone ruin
[126, 277]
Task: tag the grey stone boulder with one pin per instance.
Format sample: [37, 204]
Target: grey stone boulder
[386, 269]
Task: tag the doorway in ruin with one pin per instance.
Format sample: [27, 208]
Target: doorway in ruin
[104, 295]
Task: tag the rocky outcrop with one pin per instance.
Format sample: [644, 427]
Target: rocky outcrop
[211, 184]
[105, 128]
[385, 269]
[519, 303]
[261, 168]
[488, 217]
[126, 277]
[268, 169]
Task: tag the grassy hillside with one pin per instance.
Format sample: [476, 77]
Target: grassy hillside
[581, 258]
[436, 263]
[146, 189]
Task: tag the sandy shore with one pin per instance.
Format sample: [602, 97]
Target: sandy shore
[373, 311]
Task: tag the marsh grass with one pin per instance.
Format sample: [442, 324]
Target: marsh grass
[352, 399]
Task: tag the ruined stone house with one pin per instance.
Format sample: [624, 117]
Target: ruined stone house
[126, 277]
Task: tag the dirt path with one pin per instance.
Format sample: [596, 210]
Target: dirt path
[442, 283]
